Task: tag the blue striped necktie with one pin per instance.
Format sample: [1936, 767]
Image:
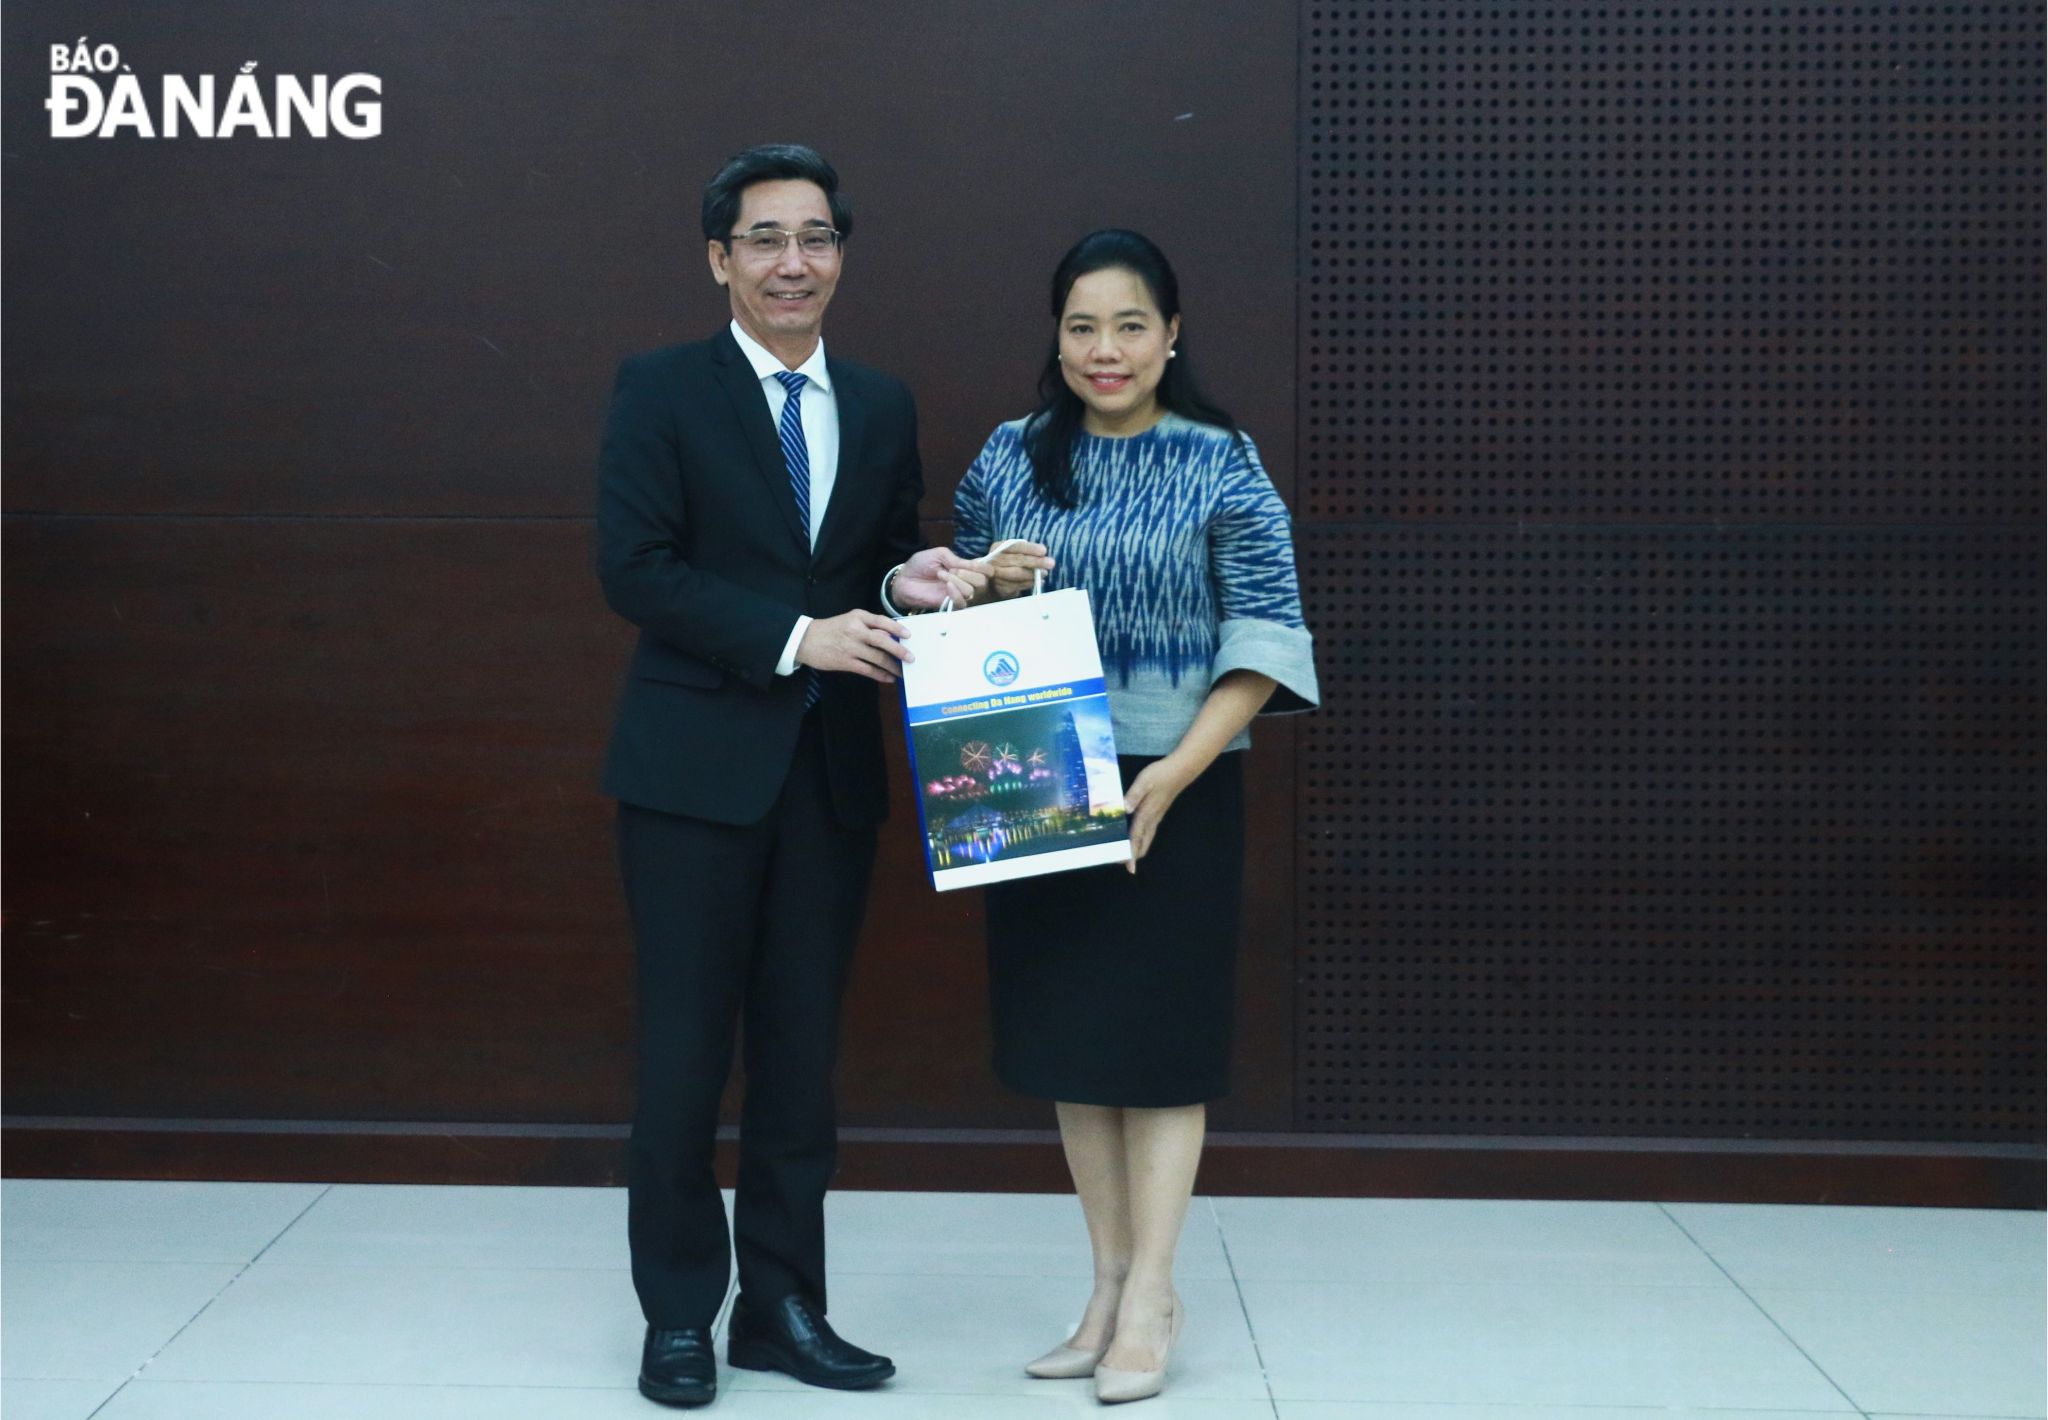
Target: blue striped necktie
[797, 454]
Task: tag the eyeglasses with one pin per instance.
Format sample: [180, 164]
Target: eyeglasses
[769, 243]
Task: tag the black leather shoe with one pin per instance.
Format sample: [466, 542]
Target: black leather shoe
[793, 1337]
[677, 1366]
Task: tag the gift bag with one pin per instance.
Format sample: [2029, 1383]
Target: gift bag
[1008, 718]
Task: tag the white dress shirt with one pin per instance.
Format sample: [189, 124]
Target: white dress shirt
[819, 412]
[820, 416]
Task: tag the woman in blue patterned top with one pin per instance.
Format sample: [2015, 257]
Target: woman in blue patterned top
[1111, 991]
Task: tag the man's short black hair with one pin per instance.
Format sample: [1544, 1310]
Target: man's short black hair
[770, 162]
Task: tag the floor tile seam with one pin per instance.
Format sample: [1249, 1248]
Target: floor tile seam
[1532, 1284]
[1505, 1405]
[14, 1259]
[278, 1263]
[1040, 1396]
[1076, 1276]
[367, 1266]
[1223, 1242]
[297, 1217]
[1765, 1313]
[623, 1387]
[1292, 1280]
[222, 1291]
[1896, 1290]
[1940, 1415]
[105, 1401]
[1521, 1407]
[1532, 1280]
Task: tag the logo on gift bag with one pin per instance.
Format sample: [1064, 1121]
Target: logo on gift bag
[1000, 668]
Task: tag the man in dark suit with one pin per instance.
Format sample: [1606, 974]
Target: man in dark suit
[756, 498]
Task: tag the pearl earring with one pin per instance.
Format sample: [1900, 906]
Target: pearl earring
[1173, 354]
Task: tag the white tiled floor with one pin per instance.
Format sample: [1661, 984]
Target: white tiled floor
[162, 1301]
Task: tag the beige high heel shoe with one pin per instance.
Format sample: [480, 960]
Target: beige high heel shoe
[1113, 1387]
[1065, 1363]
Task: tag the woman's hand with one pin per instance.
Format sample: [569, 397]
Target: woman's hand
[1011, 569]
[926, 580]
[1231, 703]
[1145, 803]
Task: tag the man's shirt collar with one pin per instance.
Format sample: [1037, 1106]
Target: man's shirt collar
[765, 364]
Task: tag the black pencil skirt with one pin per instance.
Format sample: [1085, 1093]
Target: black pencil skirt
[1113, 989]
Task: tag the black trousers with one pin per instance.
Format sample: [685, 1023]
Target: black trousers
[755, 924]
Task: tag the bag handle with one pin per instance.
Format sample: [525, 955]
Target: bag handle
[1037, 573]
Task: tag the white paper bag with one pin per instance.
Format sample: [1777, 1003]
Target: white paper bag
[1008, 718]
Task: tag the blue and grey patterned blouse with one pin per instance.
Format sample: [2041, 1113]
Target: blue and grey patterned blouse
[1184, 548]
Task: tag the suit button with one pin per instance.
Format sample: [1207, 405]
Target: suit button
[812, 580]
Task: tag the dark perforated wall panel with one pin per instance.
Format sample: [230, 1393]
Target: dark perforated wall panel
[1672, 261]
[1670, 493]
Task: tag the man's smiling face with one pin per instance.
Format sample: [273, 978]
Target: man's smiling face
[780, 302]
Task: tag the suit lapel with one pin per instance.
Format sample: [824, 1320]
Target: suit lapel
[736, 378]
[853, 422]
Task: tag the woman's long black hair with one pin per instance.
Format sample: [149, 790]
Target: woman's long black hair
[1050, 432]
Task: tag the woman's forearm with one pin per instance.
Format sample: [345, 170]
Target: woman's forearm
[1231, 705]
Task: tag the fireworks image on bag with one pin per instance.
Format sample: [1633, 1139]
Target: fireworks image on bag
[1017, 782]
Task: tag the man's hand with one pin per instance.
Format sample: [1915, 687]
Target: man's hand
[927, 579]
[857, 641]
[1011, 570]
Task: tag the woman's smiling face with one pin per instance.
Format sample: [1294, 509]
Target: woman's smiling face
[1113, 350]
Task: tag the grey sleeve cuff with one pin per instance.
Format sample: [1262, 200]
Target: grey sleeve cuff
[1286, 653]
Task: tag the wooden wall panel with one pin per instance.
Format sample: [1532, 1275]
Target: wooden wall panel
[302, 821]
[307, 677]
[428, 322]
[303, 824]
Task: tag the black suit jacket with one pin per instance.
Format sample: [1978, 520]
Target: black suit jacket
[699, 544]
